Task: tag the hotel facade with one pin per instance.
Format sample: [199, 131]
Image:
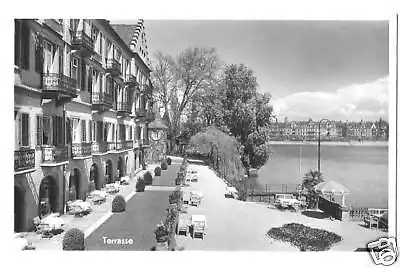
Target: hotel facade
[82, 105]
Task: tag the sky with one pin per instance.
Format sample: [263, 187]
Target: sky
[313, 69]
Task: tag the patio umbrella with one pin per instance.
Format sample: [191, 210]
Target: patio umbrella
[332, 188]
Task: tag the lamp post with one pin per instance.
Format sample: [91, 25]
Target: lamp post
[319, 142]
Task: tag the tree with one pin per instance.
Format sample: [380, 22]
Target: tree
[247, 114]
[310, 180]
[163, 79]
[178, 81]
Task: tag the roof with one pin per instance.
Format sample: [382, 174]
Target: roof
[126, 32]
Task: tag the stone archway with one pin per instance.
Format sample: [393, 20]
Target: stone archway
[120, 168]
[94, 178]
[109, 172]
[48, 193]
[74, 185]
[19, 209]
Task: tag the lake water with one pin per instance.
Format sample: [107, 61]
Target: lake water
[361, 169]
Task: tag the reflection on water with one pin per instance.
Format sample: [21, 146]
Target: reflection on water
[363, 170]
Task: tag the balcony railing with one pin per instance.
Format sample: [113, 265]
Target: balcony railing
[124, 145]
[56, 84]
[102, 101]
[111, 146]
[123, 107]
[140, 112]
[54, 154]
[113, 67]
[83, 43]
[128, 144]
[24, 159]
[99, 147]
[81, 149]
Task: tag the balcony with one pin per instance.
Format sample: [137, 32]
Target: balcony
[101, 101]
[143, 115]
[123, 108]
[124, 145]
[54, 154]
[111, 146]
[143, 143]
[130, 80]
[113, 67]
[99, 147]
[82, 43]
[81, 149]
[24, 159]
[56, 85]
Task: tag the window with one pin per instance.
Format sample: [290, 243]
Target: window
[75, 71]
[48, 51]
[100, 131]
[58, 131]
[83, 130]
[105, 131]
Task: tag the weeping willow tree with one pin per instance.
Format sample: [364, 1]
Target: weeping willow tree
[223, 154]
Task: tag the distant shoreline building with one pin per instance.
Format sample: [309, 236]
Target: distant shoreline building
[330, 130]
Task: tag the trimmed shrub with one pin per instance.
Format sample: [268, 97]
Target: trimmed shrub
[178, 181]
[74, 239]
[164, 165]
[140, 185]
[118, 204]
[148, 178]
[157, 171]
[169, 161]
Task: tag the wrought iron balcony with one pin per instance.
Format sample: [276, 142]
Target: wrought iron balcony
[54, 154]
[83, 43]
[56, 85]
[99, 147]
[113, 67]
[81, 149]
[144, 143]
[111, 146]
[24, 159]
[123, 108]
[128, 144]
[101, 101]
[140, 113]
[124, 145]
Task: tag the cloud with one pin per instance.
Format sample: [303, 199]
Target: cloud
[367, 101]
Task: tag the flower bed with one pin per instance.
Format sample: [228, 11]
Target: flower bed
[304, 237]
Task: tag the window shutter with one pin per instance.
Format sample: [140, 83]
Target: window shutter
[69, 131]
[25, 46]
[39, 130]
[54, 127]
[25, 129]
[83, 130]
[90, 131]
[83, 75]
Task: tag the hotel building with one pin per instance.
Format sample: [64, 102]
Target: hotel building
[82, 104]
